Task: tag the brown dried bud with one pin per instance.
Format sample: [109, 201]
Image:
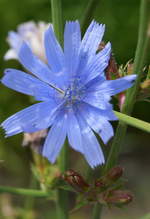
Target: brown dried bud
[75, 180]
[112, 69]
[115, 173]
[117, 197]
[100, 183]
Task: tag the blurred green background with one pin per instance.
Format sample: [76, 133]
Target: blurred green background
[121, 19]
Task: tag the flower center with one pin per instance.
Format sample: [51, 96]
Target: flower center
[73, 93]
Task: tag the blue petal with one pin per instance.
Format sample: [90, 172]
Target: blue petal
[55, 138]
[73, 132]
[113, 87]
[34, 64]
[91, 148]
[98, 99]
[72, 41]
[27, 84]
[97, 65]
[94, 96]
[26, 120]
[97, 120]
[54, 51]
[107, 131]
[92, 38]
[89, 44]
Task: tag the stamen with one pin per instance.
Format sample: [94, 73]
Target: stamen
[56, 88]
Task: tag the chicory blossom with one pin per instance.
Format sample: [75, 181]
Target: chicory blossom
[73, 92]
[30, 32]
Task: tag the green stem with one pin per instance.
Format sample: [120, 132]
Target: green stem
[62, 196]
[29, 201]
[139, 62]
[97, 211]
[137, 123]
[87, 17]
[57, 20]
[27, 192]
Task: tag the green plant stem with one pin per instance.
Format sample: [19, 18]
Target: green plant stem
[89, 11]
[137, 123]
[139, 62]
[29, 201]
[97, 211]
[62, 196]
[27, 192]
[57, 20]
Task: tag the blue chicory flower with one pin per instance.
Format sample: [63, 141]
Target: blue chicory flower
[73, 91]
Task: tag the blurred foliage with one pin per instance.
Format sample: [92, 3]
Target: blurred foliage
[121, 19]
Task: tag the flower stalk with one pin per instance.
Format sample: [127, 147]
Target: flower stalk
[57, 20]
[62, 196]
[89, 11]
[139, 62]
[137, 123]
[97, 211]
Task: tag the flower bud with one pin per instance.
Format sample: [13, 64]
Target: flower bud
[115, 173]
[75, 180]
[100, 183]
[117, 197]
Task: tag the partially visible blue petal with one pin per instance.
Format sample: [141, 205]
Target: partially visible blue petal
[74, 132]
[34, 64]
[72, 42]
[26, 120]
[14, 40]
[97, 121]
[27, 84]
[113, 87]
[27, 28]
[10, 54]
[91, 148]
[55, 138]
[54, 51]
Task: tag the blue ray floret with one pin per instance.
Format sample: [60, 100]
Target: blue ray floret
[73, 92]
